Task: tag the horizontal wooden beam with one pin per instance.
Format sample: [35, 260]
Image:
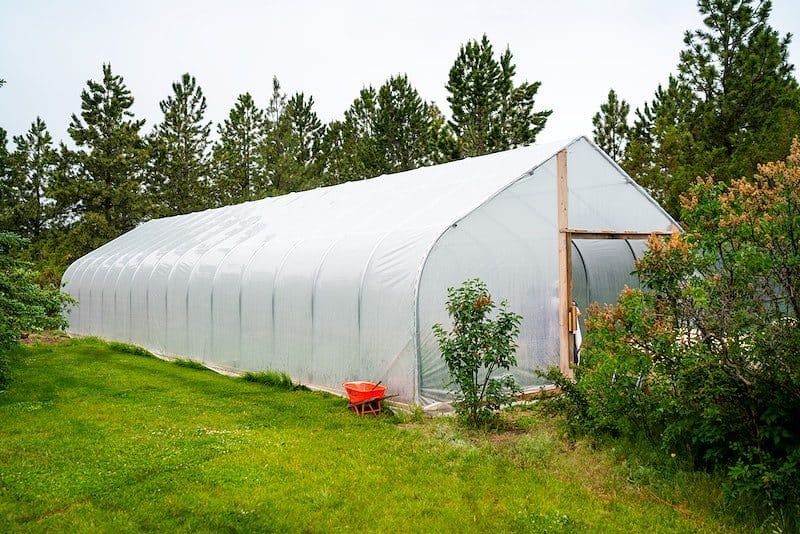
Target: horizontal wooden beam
[576, 233]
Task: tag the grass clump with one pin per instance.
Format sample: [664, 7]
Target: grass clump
[127, 348]
[275, 379]
[189, 364]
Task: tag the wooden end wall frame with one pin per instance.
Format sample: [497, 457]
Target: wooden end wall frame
[565, 237]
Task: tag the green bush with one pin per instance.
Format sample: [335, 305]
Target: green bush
[25, 306]
[478, 346]
[704, 361]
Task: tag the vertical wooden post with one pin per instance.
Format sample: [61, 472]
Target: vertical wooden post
[564, 265]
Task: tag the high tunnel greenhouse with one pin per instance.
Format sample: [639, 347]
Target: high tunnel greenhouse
[345, 282]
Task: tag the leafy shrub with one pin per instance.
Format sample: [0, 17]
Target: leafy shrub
[477, 346]
[273, 379]
[24, 305]
[705, 360]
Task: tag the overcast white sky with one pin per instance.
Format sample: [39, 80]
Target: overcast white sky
[577, 49]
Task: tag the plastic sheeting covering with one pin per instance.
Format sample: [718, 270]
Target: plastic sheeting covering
[346, 282]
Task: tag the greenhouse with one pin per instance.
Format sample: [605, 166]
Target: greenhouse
[345, 282]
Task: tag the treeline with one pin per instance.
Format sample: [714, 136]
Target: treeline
[69, 201]
[733, 103]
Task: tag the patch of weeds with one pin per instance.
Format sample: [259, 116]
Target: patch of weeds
[447, 433]
[544, 523]
[274, 379]
[46, 337]
[406, 415]
[533, 450]
[30, 406]
[130, 349]
[190, 364]
[639, 475]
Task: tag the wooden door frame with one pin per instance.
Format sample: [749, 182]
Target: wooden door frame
[565, 237]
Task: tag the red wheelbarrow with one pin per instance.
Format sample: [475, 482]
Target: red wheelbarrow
[365, 397]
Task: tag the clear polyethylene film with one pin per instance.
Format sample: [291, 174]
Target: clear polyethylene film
[345, 282]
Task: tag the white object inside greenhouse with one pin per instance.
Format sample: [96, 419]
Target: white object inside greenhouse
[345, 282]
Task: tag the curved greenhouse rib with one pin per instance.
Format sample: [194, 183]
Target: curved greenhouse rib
[274, 285]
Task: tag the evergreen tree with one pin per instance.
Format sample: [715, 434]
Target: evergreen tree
[32, 166]
[747, 96]
[277, 103]
[305, 126]
[293, 145]
[490, 113]
[389, 130]
[7, 201]
[102, 188]
[339, 154]
[733, 104]
[659, 155]
[239, 155]
[180, 148]
[611, 126]
[407, 129]
[24, 304]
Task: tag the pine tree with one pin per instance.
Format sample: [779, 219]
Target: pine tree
[33, 164]
[305, 125]
[660, 154]
[748, 97]
[490, 113]
[293, 138]
[738, 67]
[180, 152]
[7, 200]
[406, 128]
[611, 126]
[733, 104]
[277, 103]
[391, 129]
[239, 155]
[293, 145]
[104, 190]
[339, 154]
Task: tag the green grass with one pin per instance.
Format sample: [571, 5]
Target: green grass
[96, 438]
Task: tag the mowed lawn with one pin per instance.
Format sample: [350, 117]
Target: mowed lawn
[93, 438]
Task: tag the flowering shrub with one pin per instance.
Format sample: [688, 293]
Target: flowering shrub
[705, 359]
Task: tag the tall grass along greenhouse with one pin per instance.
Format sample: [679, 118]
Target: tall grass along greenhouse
[345, 282]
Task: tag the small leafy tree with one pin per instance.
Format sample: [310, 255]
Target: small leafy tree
[480, 343]
[24, 305]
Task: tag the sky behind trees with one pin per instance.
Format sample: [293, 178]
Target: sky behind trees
[577, 49]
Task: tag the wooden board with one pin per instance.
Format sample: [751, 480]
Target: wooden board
[579, 233]
[564, 263]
